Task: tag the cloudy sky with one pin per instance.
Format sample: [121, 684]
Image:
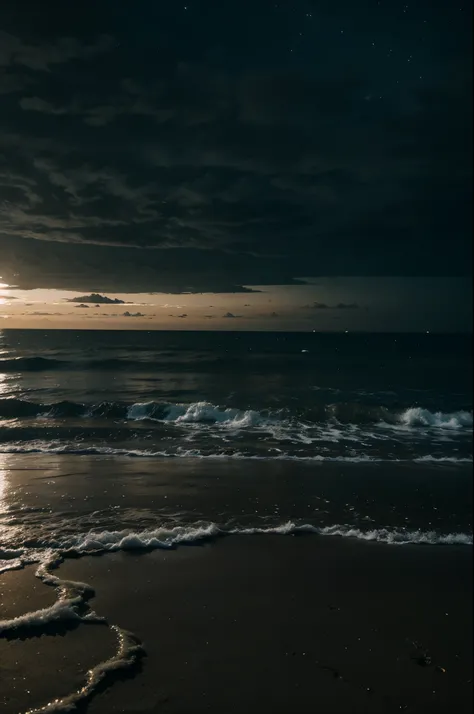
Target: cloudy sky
[236, 165]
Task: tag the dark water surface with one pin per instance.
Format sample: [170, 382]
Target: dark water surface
[365, 435]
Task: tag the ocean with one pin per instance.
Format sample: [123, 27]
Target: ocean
[391, 413]
[141, 443]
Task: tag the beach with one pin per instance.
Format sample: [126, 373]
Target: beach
[233, 524]
[236, 394]
[259, 624]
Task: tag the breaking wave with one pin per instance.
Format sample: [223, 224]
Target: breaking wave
[198, 412]
[416, 416]
[206, 413]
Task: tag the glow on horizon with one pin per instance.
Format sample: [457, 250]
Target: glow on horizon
[384, 304]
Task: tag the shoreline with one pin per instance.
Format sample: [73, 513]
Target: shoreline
[265, 624]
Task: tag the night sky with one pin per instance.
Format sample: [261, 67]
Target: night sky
[230, 145]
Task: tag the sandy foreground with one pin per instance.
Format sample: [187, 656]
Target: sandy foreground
[265, 624]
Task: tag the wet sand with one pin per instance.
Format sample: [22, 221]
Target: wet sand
[259, 624]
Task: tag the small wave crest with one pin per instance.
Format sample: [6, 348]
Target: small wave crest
[178, 452]
[30, 364]
[171, 537]
[399, 537]
[196, 413]
[151, 539]
[417, 416]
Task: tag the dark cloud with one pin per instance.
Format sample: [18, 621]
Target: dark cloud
[339, 306]
[190, 152]
[97, 298]
[133, 314]
[318, 306]
[347, 306]
[43, 56]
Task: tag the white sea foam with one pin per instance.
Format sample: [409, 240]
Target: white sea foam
[71, 606]
[39, 446]
[429, 459]
[288, 528]
[398, 537]
[206, 413]
[417, 416]
[203, 411]
[11, 552]
[149, 539]
[12, 559]
[10, 564]
[45, 447]
[238, 455]
[128, 650]
[72, 597]
[196, 413]
[382, 535]
[165, 538]
[61, 610]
